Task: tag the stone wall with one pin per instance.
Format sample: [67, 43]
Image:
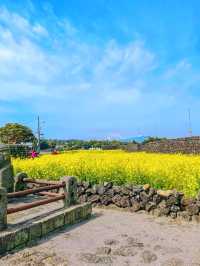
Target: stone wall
[135, 198]
[179, 145]
[6, 170]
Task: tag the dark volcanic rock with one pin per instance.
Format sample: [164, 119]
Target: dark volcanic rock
[150, 206]
[117, 200]
[157, 199]
[144, 197]
[174, 208]
[116, 189]
[125, 202]
[106, 200]
[94, 198]
[135, 206]
[192, 209]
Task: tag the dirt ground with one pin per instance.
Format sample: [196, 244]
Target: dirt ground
[113, 237]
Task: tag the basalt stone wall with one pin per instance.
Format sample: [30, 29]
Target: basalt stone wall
[179, 145]
[135, 198]
[6, 170]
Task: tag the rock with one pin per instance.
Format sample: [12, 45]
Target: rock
[125, 202]
[165, 193]
[144, 196]
[172, 200]
[80, 191]
[174, 208]
[100, 189]
[124, 191]
[150, 206]
[103, 251]
[173, 215]
[86, 184]
[187, 201]
[163, 208]
[108, 185]
[94, 198]
[137, 189]
[106, 200]
[83, 198]
[111, 242]
[148, 256]
[89, 192]
[184, 215]
[146, 187]
[117, 200]
[157, 199]
[116, 189]
[135, 206]
[110, 192]
[152, 192]
[192, 209]
[124, 251]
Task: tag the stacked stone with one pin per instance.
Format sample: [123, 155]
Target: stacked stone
[135, 198]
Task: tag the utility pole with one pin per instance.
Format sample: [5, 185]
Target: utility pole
[189, 123]
[39, 133]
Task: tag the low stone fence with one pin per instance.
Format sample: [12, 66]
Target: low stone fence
[190, 145]
[135, 198]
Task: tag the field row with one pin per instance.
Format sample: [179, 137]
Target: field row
[164, 171]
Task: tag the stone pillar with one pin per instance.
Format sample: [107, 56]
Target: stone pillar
[70, 190]
[6, 170]
[19, 182]
[3, 208]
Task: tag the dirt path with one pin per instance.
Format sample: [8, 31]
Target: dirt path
[116, 238]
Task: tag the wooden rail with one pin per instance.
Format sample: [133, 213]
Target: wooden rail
[35, 204]
[34, 190]
[42, 188]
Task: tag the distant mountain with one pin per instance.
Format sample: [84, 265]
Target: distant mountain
[138, 139]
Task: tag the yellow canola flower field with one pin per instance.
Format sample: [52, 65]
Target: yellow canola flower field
[165, 171]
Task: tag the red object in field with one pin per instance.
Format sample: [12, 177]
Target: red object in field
[33, 154]
[55, 152]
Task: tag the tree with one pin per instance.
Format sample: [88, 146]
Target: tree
[14, 133]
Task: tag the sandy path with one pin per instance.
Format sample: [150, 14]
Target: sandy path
[116, 238]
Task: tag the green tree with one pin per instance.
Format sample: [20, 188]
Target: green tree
[14, 133]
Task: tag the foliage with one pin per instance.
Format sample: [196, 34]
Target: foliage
[13, 133]
[75, 144]
[152, 139]
[17, 150]
[166, 171]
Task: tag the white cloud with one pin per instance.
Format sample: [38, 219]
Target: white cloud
[28, 69]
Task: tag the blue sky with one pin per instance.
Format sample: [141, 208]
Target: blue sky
[101, 68]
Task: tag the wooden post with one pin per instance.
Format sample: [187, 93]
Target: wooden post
[3, 208]
[70, 190]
